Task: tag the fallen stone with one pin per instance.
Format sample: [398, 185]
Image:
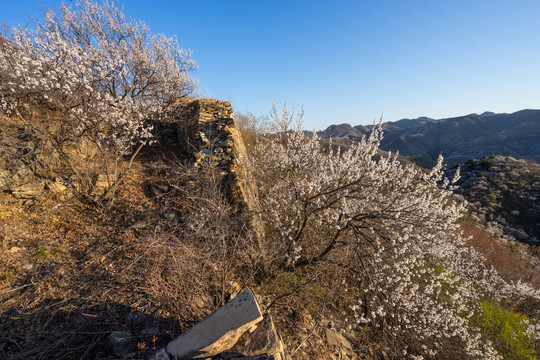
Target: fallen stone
[220, 330]
[263, 340]
[123, 343]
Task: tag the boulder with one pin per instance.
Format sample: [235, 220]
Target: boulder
[220, 330]
[344, 347]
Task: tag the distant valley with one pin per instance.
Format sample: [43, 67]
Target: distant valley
[458, 139]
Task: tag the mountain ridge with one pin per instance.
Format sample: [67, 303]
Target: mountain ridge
[457, 138]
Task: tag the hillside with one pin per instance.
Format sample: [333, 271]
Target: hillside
[505, 193]
[137, 224]
[459, 138]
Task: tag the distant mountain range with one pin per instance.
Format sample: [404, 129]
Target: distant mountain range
[458, 138]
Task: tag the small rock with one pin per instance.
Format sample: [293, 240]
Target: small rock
[135, 318]
[123, 343]
[27, 267]
[102, 181]
[58, 186]
[162, 186]
[361, 348]
[201, 301]
[138, 225]
[170, 216]
[14, 249]
[150, 331]
[28, 191]
[161, 355]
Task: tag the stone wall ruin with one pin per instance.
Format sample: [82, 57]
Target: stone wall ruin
[206, 130]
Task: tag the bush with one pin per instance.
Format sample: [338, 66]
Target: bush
[510, 331]
[383, 236]
[211, 249]
[486, 163]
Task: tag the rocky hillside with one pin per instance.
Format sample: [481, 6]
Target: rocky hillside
[505, 193]
[459, 138]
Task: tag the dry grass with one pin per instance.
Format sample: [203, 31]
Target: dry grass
[70, 276]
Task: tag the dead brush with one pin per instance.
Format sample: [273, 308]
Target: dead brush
[208, 251]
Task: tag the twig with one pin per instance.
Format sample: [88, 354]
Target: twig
[18, 288]
[13, 341]
[305, 339]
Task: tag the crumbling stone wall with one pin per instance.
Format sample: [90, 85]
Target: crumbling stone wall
[206, 129]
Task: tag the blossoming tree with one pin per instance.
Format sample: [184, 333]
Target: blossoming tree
[389, 233]
[98, 73]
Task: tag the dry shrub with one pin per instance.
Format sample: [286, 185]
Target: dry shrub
[207, 257]
[503, 256]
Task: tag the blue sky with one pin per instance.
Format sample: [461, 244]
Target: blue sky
[351, 61]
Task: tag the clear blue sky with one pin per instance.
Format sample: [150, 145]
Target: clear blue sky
[351, 61]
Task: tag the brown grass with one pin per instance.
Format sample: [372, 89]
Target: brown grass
[505, 257]
[77, 276]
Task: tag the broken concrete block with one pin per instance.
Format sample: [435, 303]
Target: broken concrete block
[220, 330]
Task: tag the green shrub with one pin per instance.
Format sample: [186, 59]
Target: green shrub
[470, 163]
[507, 330]
[486, 164]
[42, 253]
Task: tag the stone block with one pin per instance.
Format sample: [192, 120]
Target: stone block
[263, 340]
[220, 330]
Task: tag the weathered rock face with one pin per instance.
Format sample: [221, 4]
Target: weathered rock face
[220, 330]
